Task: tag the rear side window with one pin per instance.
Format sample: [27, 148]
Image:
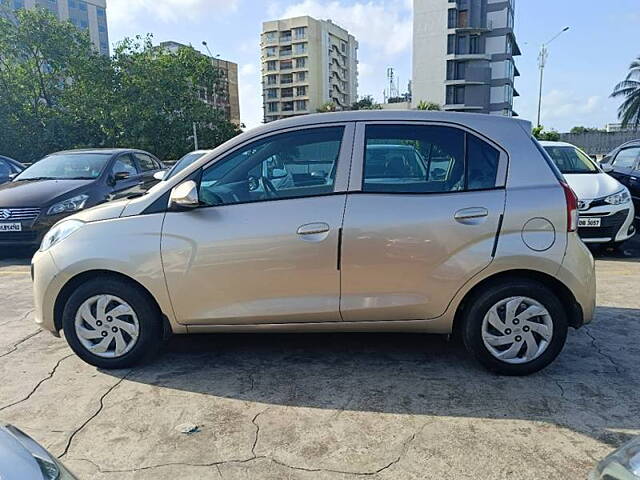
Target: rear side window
[627, 158]
[426, 159]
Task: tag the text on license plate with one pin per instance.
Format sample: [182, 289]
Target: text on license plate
[589, 222]
[11, 227]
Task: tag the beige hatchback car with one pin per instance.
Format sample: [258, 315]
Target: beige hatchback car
[357, 221]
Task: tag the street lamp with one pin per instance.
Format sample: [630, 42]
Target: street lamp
[542, 61]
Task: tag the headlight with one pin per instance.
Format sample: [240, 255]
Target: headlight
[622, 463]
[618, 198]
[59, 232]
[70, 205]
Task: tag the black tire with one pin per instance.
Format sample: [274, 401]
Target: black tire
[150, 337]
[483, 300]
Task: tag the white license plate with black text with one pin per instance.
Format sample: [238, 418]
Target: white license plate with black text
[11, 227]
[589, 222]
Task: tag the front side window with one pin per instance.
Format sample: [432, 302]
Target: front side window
[627, 158]
[427, 159]
[571, 160]
[289, 165]
[124, 164]
[146, 162]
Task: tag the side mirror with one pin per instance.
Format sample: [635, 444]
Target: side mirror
[606, 167]
[160, 175]
[278, 173]
[121, 176]
[12, 176]
[184, 196]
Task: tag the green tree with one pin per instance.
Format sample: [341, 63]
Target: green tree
[327, 108]
[423, 105]
[366, 103]
[629, 90]
[541, 134]
[581, 130]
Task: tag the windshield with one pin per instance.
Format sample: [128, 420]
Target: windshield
[571, 160]
[67, 166]
[183, 163]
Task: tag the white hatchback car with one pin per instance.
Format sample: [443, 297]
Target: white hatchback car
[605, 206]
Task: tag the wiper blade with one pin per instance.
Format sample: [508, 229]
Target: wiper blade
[34, 178]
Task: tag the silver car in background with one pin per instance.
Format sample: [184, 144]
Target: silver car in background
[357, 221]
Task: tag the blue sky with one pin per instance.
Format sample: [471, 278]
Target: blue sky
[584, 64]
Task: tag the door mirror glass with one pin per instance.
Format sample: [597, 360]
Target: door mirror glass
[607, 167]
[121, 176]
[184, 196]
[12, 176]
[160, 175]
[277, 173]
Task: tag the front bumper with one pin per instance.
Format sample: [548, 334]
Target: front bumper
[32, 231]
[616, 224]
[47, 283]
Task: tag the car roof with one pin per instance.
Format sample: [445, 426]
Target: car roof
[106, 151]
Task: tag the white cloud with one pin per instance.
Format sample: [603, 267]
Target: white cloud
[558, 104]
[385, 26]
[250, 95]
[167, 11]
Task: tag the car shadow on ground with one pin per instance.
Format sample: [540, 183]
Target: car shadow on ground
[589, 388]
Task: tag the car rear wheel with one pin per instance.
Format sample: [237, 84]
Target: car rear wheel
[515, 328]
[111, 323]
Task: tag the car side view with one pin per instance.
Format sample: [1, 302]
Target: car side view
[623, 164]
[355, 221]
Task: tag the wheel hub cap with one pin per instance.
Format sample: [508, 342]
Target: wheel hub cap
[517, 330]
[107, 340]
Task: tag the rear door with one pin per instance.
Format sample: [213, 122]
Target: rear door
[424, 207]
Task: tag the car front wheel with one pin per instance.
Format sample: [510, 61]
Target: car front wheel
[111, 323]
[516, 327]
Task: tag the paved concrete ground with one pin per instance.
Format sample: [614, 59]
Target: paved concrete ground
[327, 406]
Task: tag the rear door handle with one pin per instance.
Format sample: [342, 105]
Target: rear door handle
[313, 228]
[471, 213]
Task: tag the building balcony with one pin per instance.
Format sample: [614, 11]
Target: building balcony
[464, 81]
[461, 106]
[468, 56]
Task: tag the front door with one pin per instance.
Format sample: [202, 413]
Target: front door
[263, 247]
[423, 221]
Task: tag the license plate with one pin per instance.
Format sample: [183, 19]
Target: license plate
[11, 227]
[589, 222]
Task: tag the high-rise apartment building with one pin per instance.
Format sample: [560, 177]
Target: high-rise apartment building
[463, 53]
[305, 64]
[90, 15]
[228, 100]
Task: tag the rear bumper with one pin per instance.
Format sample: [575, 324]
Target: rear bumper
[578, 273]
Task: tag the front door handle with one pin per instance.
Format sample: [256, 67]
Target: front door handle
[313, 228]
[471, 213]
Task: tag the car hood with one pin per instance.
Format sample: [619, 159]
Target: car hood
[589, 186]
[37, 193]
[104, 211]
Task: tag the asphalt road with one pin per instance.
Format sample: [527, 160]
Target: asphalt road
[321, 406]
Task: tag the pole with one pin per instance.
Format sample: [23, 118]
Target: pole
[195, 136]
[542, 60]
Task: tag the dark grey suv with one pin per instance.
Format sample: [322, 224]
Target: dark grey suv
[63, 183]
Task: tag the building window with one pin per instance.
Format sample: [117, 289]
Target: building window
[272, 65]
[300, 48]
[102, 28]
[301, 104]
[462, 45]
[456, 70]
[285, 36]
[452, 19]
[271, 51]
[301, 91]
[301, 62]
[84, 24]
[455, 95]
[463, 18]
[270, 37]
[343, 47]
[272, 79]
[300, 32]
[285, 51]
[286, 65]
[287, 106]
[301, 76]
[451, 44]
[82, 6]
[18, 4]
[474, 44]
[272, 93]
[286, 78]
[99, 10]
[272, 107]
[286, 92]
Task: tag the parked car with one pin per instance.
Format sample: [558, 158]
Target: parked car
[421, 222]
[621, 464]
[606, 210]
[181, 164]
[65, 182]
[9, 168]
[22, 458]
[623, 163]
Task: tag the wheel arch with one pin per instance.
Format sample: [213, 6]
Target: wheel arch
[70, 286]
[571, 306]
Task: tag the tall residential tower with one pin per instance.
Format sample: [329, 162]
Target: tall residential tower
[305, 64]
[90, 15]
[463, 54]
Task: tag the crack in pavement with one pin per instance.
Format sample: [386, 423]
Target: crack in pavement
[48, 377]
[15, 346]
[22, 318]
[594, 344]
[100, 408]
[255, 424]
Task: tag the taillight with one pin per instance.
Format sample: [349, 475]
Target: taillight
[572, 207]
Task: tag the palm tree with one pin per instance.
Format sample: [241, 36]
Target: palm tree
[629, 111]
